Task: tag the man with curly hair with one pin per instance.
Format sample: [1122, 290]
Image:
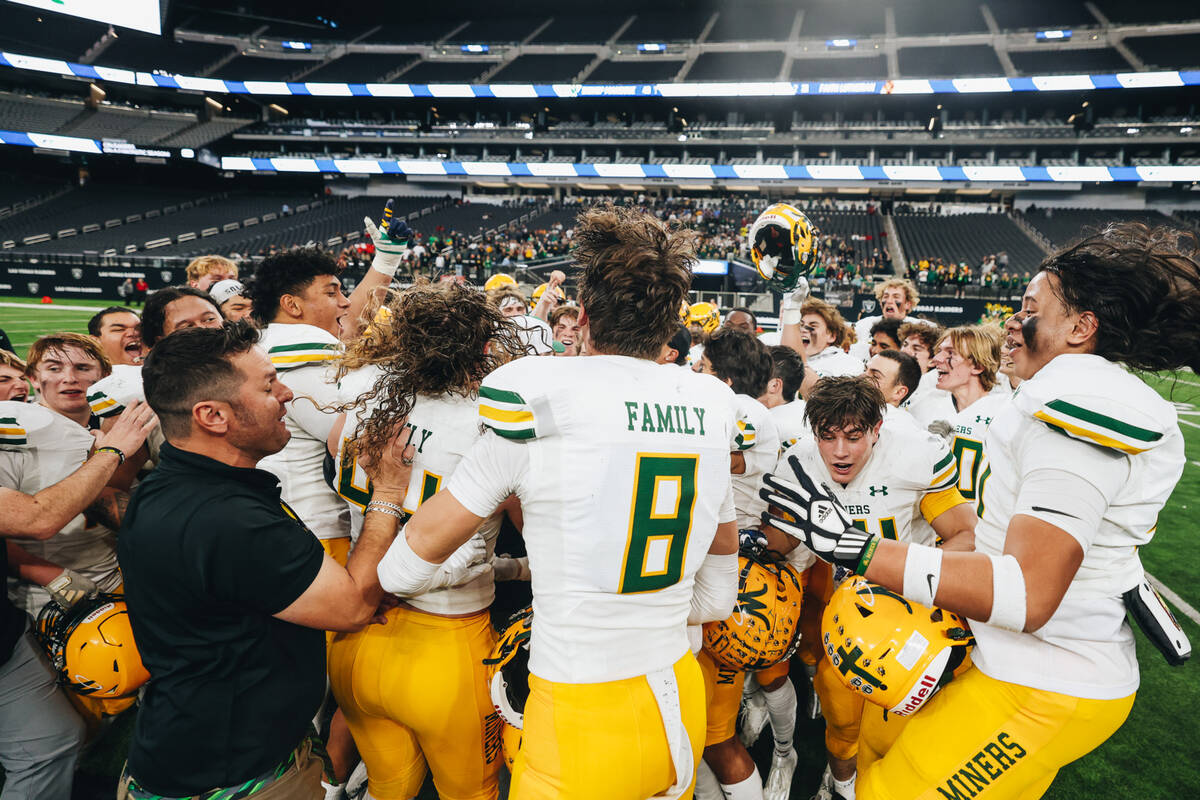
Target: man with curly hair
[622, 470]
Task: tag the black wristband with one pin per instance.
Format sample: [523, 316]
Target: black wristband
[111, 449]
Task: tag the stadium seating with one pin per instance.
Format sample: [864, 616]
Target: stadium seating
[736, 66]
[966, 237]
[956, 62]
[862, 231]
[542, 68]
[469, 219]
[245, 67]
[838, 20]
[1147, 11]
[444, 72]
[663, 26]
[201, 133]
[359, 67]
[146, 52]
[1062, 226]
[1167, 52]
[646, 69]
[1050, 62]
[864, 67]
[410, 33]
[922, 17]
[505, 29]
[20, 112]
[581, 29]
[38, 33]
[1041, 14]
[133, 125]
[750, 21]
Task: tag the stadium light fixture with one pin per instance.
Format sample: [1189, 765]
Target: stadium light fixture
[476, 48]
[652, 47]
[841, 44]
[1053, 35]
[296, 45]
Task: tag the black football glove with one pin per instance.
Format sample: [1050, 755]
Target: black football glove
[815, 517]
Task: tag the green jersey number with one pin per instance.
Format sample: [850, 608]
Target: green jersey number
[887, 527]
[969, 455]
[660, 521]
[355, 486]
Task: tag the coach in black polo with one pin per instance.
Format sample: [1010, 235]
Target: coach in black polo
[228, 592]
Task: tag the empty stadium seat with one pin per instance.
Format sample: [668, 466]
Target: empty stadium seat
[966, 237]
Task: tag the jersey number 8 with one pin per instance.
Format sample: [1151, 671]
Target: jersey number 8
[660, 521]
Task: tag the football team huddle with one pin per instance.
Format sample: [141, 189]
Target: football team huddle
[936, 529]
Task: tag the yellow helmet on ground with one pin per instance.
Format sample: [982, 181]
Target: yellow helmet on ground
[498, 280]
[765, 626]
[508, 668]
[541, 289]
[91, 646]
[894, 652]
[784, 246]
[705, 315]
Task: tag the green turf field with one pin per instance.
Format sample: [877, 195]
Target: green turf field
[1153, 755]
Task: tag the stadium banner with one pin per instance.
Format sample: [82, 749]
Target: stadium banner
[485, 91]
[944, 310]
[66, 282]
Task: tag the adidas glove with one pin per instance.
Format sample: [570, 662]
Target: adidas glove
[390, 240]
[69, 588]
[751, 541]
[815, 517]
[942, 428]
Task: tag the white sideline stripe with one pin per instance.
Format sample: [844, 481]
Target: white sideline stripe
[1175, 599]
[56, 307]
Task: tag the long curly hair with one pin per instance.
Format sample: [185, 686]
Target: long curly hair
[430, 339]
[1143, 285]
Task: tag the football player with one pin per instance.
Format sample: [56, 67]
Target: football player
[82, 557]
[966, 361]
[897, 297]
[783, 395]
[204, 271]
[743, 363]
[622, 470]
[120, 333]
[1079, 466]
[564, 322]
[231, 297]
[13, 384]
[888, 475]
[414, 690]
[927, 403]
[822, 331]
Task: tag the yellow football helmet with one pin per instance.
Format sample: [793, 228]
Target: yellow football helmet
[685, 311]
[510, 744]
[508, 668]
[894, 652]
[498, 280]
[765, 626]
[541, 290]
[784, 246]
[91, 647]
[705, 315]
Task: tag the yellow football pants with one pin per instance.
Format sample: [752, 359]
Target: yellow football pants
[723, 699]
[414, 691]
[980, 737]
[603, 741]
[842, 709]
[338, 549]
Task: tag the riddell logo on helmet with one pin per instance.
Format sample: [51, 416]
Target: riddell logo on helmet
[921, 692]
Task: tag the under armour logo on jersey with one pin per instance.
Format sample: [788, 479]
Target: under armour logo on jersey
[882, 490]
[984, 420]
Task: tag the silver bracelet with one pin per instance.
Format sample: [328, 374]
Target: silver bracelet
[386, 504]
[389, 509]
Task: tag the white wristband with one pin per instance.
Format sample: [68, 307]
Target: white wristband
[789, 316]
[922, 573]
[402, 572]
[386, 264]
[1008, 594]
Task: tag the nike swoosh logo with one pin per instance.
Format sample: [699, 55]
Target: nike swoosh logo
[929, 577]
[1053, 511]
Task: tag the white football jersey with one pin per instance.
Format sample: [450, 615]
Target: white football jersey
[303, 356]
[969, 428]
[443, 430]
[39, 448]
[790, 423]
[1086, 418]
[861, 349]
[834, 361]
[904, 481]
[760, 455]
[930, 403]
[109, 396]
[622, 469]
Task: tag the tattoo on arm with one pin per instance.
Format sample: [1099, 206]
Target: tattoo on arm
[109, 508]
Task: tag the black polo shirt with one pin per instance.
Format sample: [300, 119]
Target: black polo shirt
[208, 553]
